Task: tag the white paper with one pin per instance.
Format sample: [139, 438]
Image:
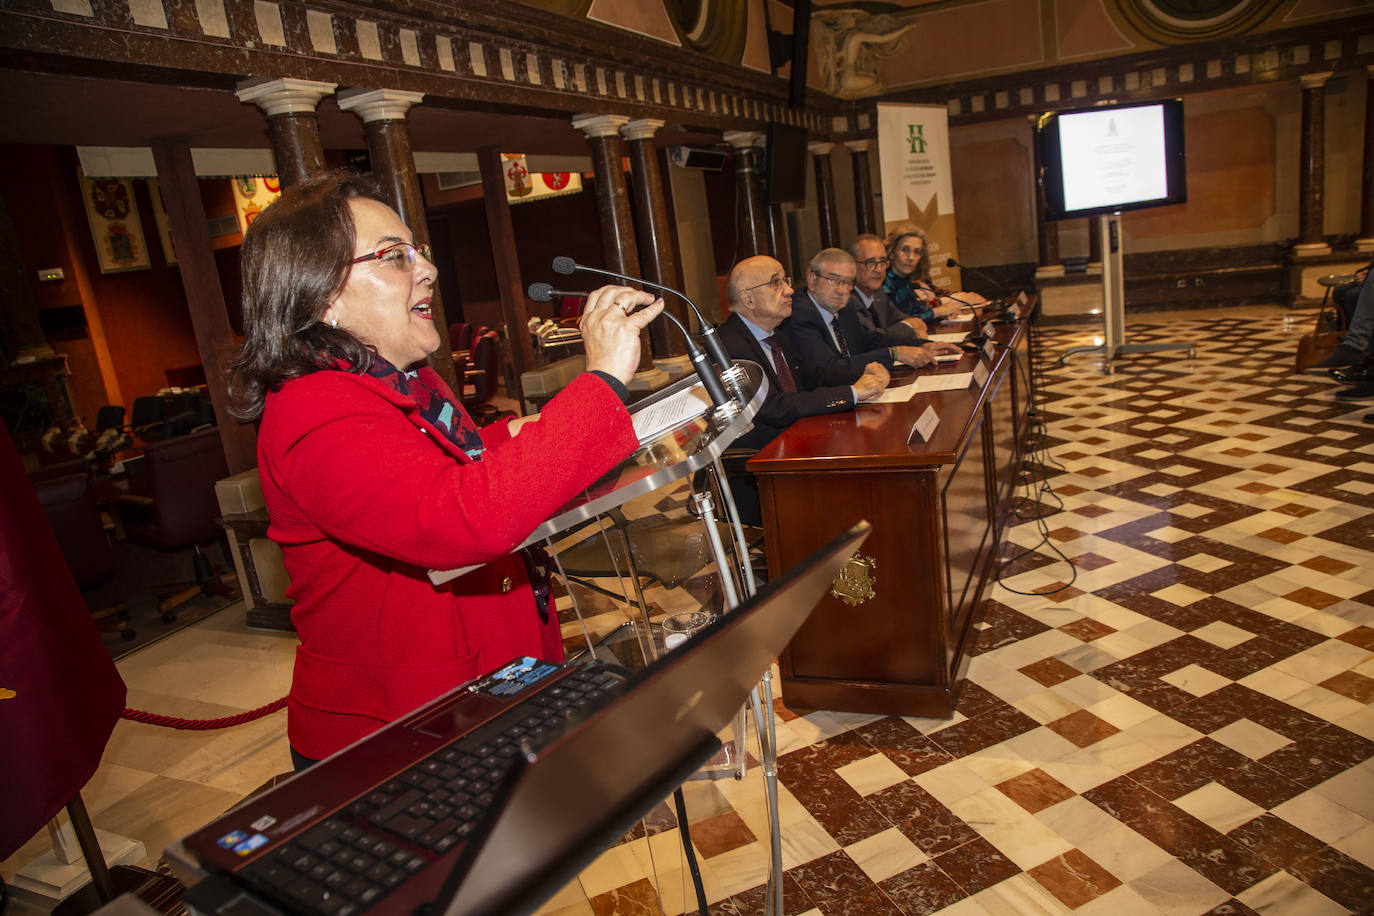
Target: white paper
[949, 382]
[898, 395]
[954, 337]
[669, 412]
[949, 357]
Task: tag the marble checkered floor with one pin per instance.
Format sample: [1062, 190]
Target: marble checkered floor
[1181, 725]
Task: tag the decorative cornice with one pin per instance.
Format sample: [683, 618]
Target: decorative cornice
[1314, 80]
[820, 149]
[743, 139]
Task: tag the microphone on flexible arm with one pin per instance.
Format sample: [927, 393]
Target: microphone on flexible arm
[565, 265]
[543, 292]
[1001, 291]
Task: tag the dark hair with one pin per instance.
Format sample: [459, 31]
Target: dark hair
[894, 238]
[295, 259]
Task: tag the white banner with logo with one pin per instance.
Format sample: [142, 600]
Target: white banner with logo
[913, 160]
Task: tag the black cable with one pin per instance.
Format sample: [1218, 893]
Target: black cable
[681, 807]
[1037, 440]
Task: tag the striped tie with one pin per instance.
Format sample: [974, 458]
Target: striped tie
[780, 367]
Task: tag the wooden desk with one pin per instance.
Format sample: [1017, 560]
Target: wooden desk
[937, 510]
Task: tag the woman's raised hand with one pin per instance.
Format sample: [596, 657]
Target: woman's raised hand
[610, 325]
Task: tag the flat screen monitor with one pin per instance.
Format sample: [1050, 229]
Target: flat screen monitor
[1113, 157]
[786, 172]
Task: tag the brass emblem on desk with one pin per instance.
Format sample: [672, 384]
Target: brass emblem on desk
[854, 584]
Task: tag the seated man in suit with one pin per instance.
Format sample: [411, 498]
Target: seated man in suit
[868, 298]
[826, 331]
[760, 297]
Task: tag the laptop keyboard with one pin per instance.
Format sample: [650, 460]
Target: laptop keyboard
[354, 858]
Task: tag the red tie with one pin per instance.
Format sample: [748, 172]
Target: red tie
[784, 372]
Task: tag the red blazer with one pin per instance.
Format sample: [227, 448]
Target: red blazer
[365, 496]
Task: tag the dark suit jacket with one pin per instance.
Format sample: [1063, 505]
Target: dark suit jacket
[811, 339]
[884, 317]
[818, 390]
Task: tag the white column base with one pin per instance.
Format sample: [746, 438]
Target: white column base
[1053, 270]
[1311, 250]
[648, 380]
[47, 880]
[675, 366]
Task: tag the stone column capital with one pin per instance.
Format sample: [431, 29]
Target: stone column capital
[641, 129]
[858, 146]
[284, 96]
[742, 139]
[596, 126]
[819, 148]
[379, 104]
[1314, 80]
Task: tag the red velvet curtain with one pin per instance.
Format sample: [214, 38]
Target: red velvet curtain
[60, 695]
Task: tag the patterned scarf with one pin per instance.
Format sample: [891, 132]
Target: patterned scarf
[435, 407]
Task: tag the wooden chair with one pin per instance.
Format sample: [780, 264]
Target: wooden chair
[179, 511]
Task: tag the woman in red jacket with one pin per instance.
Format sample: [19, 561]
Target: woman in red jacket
[373, 473]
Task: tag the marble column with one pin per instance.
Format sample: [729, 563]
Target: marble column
[777, 238]
[1312, 167]
[657, 256]
[863, 186]
[825, 193]
[23, 333]
[1366, 240]
[200, 280]
[1047, 234]
[751, 230]
[383, 112]
[617, 227]
[290, 108]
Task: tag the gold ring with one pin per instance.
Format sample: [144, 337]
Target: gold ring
[625, 307]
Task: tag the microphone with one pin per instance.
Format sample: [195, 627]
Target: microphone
[566, 265]
[543, 292]
[1001, 292]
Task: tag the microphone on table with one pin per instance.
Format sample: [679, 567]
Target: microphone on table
[543, 292]
[566, 265]
[1001, 291]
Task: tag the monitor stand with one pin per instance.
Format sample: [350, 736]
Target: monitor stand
[1114, 304]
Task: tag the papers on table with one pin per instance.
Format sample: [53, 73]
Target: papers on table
[952, 337]
[951, 381]
[949, 357]
[669, 412]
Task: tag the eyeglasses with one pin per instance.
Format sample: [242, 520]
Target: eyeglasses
[777, 283]
[873, 263]
[837, 282]
[400, 255]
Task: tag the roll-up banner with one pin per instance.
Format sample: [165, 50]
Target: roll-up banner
[913, 159]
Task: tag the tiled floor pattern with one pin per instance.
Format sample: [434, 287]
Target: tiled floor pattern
[1183, 729]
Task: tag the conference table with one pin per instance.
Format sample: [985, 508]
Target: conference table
[936, 476]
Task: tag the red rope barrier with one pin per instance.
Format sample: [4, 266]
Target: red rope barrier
[152, 718]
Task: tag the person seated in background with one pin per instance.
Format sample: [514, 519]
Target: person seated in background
[1354, 345]
[373, 472]
[1352, 363]
[825, 330]
[760, 297]
[908, 284]
[869, 299]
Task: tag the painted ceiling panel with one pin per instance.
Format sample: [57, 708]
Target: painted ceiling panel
[1083, 28]
[647, 17]
[955, 42]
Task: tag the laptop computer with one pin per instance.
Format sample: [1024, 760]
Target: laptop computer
[559, 805]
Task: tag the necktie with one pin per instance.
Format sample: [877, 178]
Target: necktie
[839, 338]
[780, 367]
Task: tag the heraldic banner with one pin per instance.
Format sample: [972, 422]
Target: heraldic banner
[913, 159]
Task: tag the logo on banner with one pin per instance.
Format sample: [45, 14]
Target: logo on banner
[916, 136]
